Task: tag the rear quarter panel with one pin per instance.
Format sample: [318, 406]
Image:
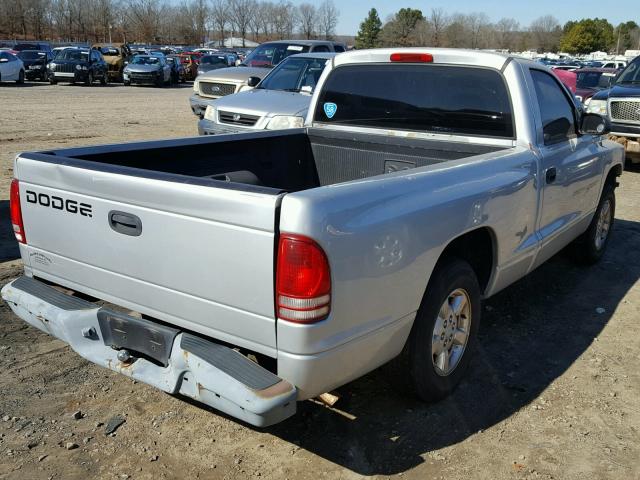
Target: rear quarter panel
[384, 235]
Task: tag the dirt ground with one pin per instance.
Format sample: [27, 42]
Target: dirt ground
[553, 392]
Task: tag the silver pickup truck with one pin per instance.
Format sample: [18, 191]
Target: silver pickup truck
[252, 271]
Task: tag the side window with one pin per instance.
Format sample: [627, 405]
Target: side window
[558, 122]
[321, 48]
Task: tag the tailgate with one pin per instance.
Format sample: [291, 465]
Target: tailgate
[201, 257]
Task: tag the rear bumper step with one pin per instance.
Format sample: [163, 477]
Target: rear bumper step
[195, 367]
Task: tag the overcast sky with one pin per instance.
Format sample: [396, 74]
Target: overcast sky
[352, 12]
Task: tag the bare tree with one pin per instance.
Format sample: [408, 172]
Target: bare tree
[546, 32]
[307, 16]
[285, 17]
[506, 30]
[220, 18]
[328, 19]
[145, 18]
[437, 22]
[241, 13]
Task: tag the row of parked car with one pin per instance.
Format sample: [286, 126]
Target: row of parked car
[270, 89]
[108, 62]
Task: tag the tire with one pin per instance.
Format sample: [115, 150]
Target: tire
[420, 370]
[52, 81]
[589, 247]
[89, 81]
[104, 80]
[20, 79]
[126, 83]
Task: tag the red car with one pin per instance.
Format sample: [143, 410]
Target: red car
[567, 77]
[591, 80]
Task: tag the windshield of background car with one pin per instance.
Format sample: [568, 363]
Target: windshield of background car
[109, 51]
[31, 55]
[271, 54]
[295, 73]
[213, 60]
[426, 98]
[588, 79]
[139, 60]
[73, 55]
[26, 46]
[631, 74]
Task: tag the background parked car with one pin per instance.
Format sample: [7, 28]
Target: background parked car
[11, 68]
[177, 69]
[591, 80]
[35, 63]
[149, 70]
[219, 83]
[190, 62]
[41, 46]
[116, 55]
[279, 101]
[78, 65]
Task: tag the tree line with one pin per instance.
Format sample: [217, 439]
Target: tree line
[411, 27]
[165, 22]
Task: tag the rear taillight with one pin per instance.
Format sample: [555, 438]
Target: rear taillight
[16, 211]
[411, 57]
[303, 280]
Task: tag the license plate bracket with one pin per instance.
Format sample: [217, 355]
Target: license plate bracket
[137, 334]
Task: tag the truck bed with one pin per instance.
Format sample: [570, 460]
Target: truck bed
[268, 162]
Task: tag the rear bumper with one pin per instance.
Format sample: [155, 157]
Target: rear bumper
[210, 373]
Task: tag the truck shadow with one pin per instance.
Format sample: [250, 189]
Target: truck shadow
[8, 246]
[531, 334]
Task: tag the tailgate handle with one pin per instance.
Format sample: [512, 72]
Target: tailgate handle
[125, 223]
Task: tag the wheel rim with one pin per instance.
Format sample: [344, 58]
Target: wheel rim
[604, 224]
[451, 332]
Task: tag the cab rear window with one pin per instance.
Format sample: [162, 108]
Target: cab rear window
[425, 98]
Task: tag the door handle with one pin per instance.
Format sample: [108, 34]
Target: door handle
[551, 174]
[125, 223]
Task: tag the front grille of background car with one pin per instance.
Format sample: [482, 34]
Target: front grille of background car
[65, 67]
[625, 110]
[212, 89]
[238, 119]
[142, 76]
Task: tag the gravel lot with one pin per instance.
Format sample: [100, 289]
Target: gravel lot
[553, 392]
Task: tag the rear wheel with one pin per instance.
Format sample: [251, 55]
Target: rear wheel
[438, 351]
[590, 246]
[104, 80]
[89, 80]
[126, 83]
[20, 79]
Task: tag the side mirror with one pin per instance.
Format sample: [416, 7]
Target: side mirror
[253, 81]
[594, 124]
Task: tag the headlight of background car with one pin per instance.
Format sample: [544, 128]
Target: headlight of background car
[210, 113]
[195, 86]
[280, 122]
[597, 106]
